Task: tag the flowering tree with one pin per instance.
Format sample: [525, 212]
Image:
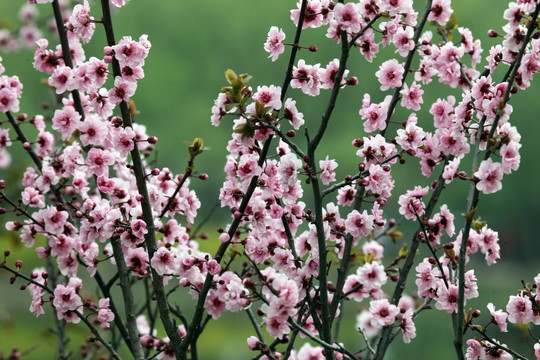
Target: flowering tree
[91, 203]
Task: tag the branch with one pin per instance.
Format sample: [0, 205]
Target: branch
[408, 61]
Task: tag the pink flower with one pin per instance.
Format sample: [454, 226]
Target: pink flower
[383, 312]
[62, 79]
[274, 43]
[66, 121]
[348, 17]
[104, 316]
[447, 298]
[498, 317]
[123, 140]
[374, 114]
[9, 100]
[328, 74]
[163, 261]
[403, 40]
[313, 15]
[66, 299]
[328, 167]
[489, 175]
[269, 96]
[407, 326]
[98, 161]
[306, 77]
[295, 117]
[122, 90]
[390, 74]
[131, 53]
[440, 11]
[411, 137]
[372, 275]
[519, 310]
[411, 204]
[346, 195]
[94, 131]
[412, 97]
[359, 225]
[81, 23]
[475, 350]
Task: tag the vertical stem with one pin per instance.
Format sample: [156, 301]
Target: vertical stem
[472, 198]
[386, 336]
[66, 53]
[150, 238]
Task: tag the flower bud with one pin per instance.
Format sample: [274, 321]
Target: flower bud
[313, 48]
[352, 81]
[203, 177]
[290, 133]
[476, 313]
[358, 143]
[492, 33]
[2, 184]
[224, 238]
[153, 139]
[18, 264]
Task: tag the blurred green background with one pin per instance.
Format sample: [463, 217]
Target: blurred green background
[193, 43]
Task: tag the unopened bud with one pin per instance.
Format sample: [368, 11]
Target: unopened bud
[18, 264]
[313, 48]
[476, 313]
[26, 145]
[2, 184]
[203, 177]
[290, 133]
[153, 139]
[21, 117]
[6, 253]
[492, 33]
[12, 280]
[358, 143]
[352, 81]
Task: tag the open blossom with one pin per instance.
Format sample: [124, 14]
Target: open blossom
[66, 121]
[383, 312]
[105, 315]
[122, 90]
[66, 299]
[306, 77]
[489, 174]
[348, 17]
[164, 261]
[390, 74]
[274, 43]
[292, 114]
[81, 23]
[412, 96]
[328, 170]
[269, 96]
[440, 11]
[359, 224]
[498, 317]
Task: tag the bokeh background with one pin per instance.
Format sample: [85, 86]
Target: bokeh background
[193, 43]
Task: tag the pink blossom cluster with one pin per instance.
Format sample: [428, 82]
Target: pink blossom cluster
[85, 207]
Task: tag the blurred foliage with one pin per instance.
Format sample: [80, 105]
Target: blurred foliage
[193, 43]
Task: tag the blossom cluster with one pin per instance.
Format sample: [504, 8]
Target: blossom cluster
[92, 202]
